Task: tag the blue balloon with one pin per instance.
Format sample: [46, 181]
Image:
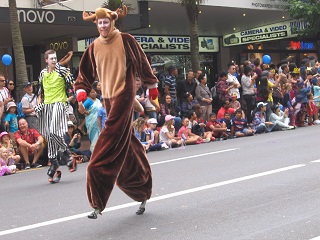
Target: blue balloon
[6, 59]
[266, 59]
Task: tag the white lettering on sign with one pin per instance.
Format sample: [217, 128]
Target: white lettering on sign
[32, 16]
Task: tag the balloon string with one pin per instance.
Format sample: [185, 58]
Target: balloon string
[7, 80]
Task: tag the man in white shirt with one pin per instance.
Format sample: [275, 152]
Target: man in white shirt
[232, 80]
[29, 101]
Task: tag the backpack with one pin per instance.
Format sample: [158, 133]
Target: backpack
[19, 107]
[214, 92]
[20, 111]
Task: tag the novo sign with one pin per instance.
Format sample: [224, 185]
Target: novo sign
[60, 45]
[271, 32]
[35, 16]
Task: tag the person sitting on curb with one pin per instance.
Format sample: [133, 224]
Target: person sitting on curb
[30, 143]
[239, 126]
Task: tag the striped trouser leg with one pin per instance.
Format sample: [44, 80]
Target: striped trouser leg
[53, 125]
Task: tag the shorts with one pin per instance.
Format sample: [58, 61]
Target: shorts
[244, 131]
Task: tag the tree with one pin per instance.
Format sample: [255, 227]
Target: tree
[19, 57]
[192, 9]
[309, 11]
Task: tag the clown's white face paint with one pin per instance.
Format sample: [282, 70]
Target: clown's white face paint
[104, 26]
[51, 61]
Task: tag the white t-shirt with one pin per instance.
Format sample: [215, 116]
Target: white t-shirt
[232, 80]
[162, 135]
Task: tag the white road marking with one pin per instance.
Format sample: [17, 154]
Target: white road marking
[194, 156]
[316, 238]
[170, 195]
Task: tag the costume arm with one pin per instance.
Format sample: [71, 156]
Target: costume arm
[87, 71]
[139, 60]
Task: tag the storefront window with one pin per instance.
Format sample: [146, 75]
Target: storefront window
[183, 64]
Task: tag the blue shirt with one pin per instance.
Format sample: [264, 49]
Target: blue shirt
[102, 113]
[13, 122]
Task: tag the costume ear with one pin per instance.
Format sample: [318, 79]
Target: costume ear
[88, 16]
[114, 16]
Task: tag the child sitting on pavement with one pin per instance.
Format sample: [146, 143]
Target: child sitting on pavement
[152, 135]
[5, 169]
[7, 142]
[184, 134]
[198, 129]
[219, 130]
[240, 126]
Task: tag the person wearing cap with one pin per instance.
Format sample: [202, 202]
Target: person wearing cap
[73, 140]
[11, 119]
[118, 157]
[54, 80]
[152, 135]
[167, 133]
[29, 101]
[30, 143]
[260, 125]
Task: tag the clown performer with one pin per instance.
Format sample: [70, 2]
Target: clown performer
[52, 111]
[118, 157]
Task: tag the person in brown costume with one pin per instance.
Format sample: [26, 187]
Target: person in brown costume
[115, 58]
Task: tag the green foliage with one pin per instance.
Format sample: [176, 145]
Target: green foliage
[114, 4]
[309, 11]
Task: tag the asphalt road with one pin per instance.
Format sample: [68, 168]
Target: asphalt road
[260, 187]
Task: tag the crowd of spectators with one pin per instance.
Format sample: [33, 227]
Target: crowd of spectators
[252, 98]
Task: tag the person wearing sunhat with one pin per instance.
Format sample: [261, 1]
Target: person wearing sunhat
[11, 119]
[29, 101]
[118, 157]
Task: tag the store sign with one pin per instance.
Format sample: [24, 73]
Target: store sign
[60, 45]
[35, 16]
[162, 44]
[287, 29]
[300, 45]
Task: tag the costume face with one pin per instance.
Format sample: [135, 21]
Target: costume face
[104, 26]
[51, 60]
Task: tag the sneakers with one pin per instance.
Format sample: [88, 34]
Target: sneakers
[206, 140]
[27, 166]
[316, 122]
[36, 165]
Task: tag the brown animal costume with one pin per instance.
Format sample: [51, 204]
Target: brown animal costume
[118, 156]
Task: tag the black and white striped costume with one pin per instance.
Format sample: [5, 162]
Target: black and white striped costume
[53, 116]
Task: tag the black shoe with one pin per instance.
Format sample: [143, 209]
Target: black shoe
[141, 208]
[94, 214]
[36, 165]
[27, 166]
[53, 168]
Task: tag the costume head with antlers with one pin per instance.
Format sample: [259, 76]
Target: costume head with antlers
[105, 19]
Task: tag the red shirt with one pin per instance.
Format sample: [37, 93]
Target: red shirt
[222, 111]
[210, 123]
[31, 136]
